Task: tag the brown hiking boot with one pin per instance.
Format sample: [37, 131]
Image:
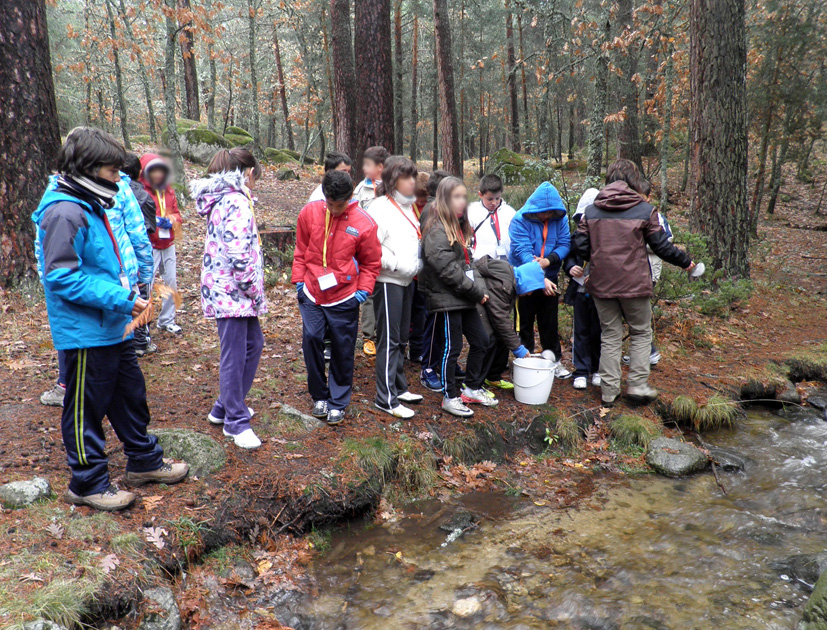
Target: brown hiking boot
[110, 500]
[171, 472]
[643, 394]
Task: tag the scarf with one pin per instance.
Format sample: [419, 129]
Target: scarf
[101, 191]
[403, 200]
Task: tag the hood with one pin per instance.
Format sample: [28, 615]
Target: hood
[585, 201]
[152, 160]
[51, 197]
[530, 277]
[209, 190]
[490, 267]
[616, 197]
[544, 199]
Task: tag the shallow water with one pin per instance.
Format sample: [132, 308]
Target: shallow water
[648, 553]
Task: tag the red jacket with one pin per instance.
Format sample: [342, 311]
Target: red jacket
[353, 252]
[167, 200]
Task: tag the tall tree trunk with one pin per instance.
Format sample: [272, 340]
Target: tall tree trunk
[775, 179]
[29, 128]
[511, 79]
[374, 81]
[598, 113]
[251, 31]
[87, 18]
[522, 68]
[766, 127]
[116, 59]
[451, 160]
[169, 94]
[188, 56]
[328, 74]
[717, 63]
[572, 123]
[399, 92]
[142, 73]
[344, 78]
[435, 119]
[414, 146]
[629, 133]
[213, 86]
[669, 81]
[288, 126]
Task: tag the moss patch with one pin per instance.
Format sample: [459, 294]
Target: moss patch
[238, 131]
[237, 140]
[200, 451]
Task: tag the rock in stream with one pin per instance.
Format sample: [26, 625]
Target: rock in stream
[674, 458]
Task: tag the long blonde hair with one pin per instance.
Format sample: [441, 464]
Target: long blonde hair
[455, 230]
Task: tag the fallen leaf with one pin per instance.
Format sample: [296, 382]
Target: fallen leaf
[155, 535]
[109, 563]
[150, 503]
[55, 531]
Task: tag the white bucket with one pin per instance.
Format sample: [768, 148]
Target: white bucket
[533, 378]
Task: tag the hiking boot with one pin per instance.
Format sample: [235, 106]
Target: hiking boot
[608, 401]
[410, 398]
[216, 420]
[400, 411]
[369, 348]
[110, 500]
[430, 380]
[145, 350]
[247, 439]
[54, 397]
[580, 382]
[334, 417]
[478, 397]
[596, 380]
[173, 328]
[455, 407]
[642, 394]
[500, 384]
[169, 473]
[320, 409]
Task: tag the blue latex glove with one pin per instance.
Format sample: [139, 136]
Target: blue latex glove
[361, 296]
[164, 223]
[299, 287]
[520, 352]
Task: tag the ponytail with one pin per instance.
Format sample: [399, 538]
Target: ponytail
[237, 159]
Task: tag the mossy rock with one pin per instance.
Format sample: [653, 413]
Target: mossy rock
[238, 140]
[293, 154]
[275, 156]
[201, 144]
[237, 131]
[200, 451]
[506, 156]
[286, 175]
[516, 169]
[141, 139]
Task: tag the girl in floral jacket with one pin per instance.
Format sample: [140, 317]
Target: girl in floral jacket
[232, 284]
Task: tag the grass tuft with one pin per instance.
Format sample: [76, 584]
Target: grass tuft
[373, 455]
[684, 409]
[717, 413]
[631, 430]
[415, 466]
[60, 601]
[462, 446]
[569, 434]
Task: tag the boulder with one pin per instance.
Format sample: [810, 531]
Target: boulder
[200, 144]
[794, 413]
[806, 567]
[287, 174]
[200, 451]
[815, 610]
[141, 139]
[818, 399]
[237, 131]
[163, 613]
[514, 168]
[238, 140]
[789, 394]
[274, 156]
[726, 459]
[296, 156]
[18, 494]
[467, 607]
[308, 421]
[674, 458]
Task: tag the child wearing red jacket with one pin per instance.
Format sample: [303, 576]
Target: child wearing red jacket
[156, 175]
[335, 265]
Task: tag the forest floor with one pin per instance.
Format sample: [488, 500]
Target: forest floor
[268, 506]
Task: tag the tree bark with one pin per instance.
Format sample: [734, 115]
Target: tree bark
[717, 63]
[251, 31]
[399, 92]
[435, 126]
[629, 133]
[190, 70]
[669, 81]
[288, 126]
[451, 160]
[142, 72]
[29, 128]
[511, 79]
[414, 146]
[344, 78]
[169, 93]
[522, 69]
[328, 74]
[116, 60]
[598, 114]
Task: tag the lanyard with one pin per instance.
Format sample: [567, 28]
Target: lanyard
[114, 242]
[545, 238]
[162, 203]
[328, 220]
[495, 223]
[467, 257]
[402, 212]
[417, 210]
[253, 212]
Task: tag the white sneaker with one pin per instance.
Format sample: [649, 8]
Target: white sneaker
[173, 328]
[246, 439]
[409, 397]
[596, 380]
[455, 407]
[216, 420]
[478, 396]
[561, 372]
[400, 411]
[581, 382]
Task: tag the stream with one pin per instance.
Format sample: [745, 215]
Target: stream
[646, 553]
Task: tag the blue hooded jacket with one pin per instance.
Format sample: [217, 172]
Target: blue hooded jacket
[526, 231]
[86, 303]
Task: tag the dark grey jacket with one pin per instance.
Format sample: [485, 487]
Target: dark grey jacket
[496, 277]
[443, 278]
[147, 204]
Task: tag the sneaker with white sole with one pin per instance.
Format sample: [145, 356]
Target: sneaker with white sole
[216, 420]
[334, 417]
[400, 411]
[654, 358]
[642, 394]
[430, 380]
[580, 382]
[173, 328]
[110, 500]
[54, 397]
[478, 397]
[561, 372]
[146, 349]
[455, 407]
[320, 409]
[410, 398]
[247, 439]
[500, 384]
[170, 473]
[596, 380]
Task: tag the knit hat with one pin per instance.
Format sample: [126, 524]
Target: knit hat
[586, 200]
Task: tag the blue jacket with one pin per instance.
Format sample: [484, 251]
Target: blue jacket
[86, 303]
[526, 231]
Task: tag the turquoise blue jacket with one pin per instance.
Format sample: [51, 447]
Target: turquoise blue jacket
[526, 231]
[87, 305]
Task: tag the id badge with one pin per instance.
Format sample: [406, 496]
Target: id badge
[470, 274]
[162, 233]
[327, 281]
[124, 280]
[501, 253]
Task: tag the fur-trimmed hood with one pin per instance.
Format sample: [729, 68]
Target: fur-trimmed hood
[209, 190]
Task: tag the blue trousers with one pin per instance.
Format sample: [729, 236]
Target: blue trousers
[241, 344]
[340, 324]
[100, 382]
[585, 349]
[431, 350]
[419, 315]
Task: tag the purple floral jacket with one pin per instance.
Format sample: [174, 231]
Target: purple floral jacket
[232, 276]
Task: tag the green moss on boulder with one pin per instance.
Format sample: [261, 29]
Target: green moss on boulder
[200, 144]
[815, 610]
[141, 139]
[200, 451]
[515, 168]
[275, 156]
[237, 131]
[238, 140]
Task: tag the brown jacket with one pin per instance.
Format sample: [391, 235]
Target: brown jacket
[613, 235]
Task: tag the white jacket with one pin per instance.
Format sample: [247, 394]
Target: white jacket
[365, 192]
[486, 237]
[397, 233]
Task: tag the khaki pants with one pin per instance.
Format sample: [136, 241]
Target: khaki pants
[638, 314]
[368, 320]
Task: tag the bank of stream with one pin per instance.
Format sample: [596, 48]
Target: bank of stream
[648, 552]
